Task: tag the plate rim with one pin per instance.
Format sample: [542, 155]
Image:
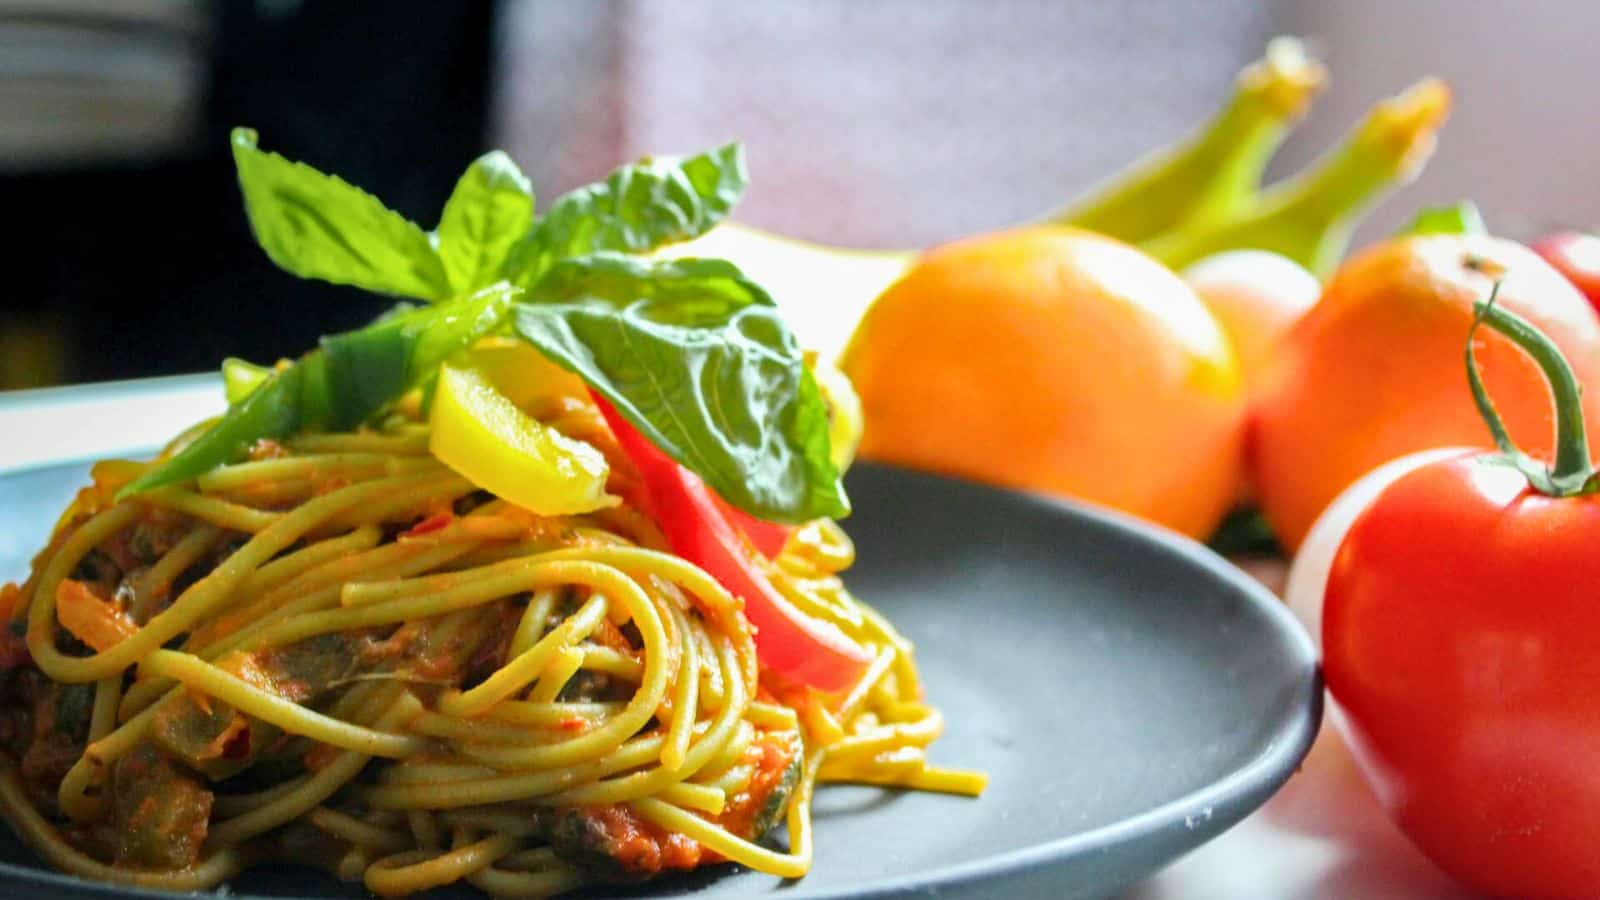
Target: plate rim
[1223, 802]
[1267, 772]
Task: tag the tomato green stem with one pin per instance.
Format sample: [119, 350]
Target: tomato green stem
[1572, 473]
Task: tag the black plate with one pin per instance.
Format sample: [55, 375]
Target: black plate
[1130, 694]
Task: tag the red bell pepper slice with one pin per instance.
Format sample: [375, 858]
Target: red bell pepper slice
[767, 537]
[795, 645]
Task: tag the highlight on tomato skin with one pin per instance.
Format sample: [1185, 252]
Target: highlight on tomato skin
[1312, 565]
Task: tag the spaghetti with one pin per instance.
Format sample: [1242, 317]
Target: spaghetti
[340, 651]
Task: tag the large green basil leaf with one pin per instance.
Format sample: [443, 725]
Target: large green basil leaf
[697, 358]
[637, 208]
[318, 226]
[490, 210]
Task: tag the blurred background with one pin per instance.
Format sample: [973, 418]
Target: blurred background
[894, 123]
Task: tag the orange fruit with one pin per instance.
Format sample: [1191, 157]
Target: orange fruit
[1375, 370]
[1057, 360]
[1256, 296]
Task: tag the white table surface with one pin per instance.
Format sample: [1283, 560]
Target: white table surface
[1322, 837]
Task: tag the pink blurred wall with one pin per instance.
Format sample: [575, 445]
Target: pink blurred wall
[913, 121]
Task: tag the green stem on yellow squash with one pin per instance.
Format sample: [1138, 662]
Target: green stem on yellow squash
[1310, 216]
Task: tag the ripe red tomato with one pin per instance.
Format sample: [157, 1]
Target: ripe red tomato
[1577, 255]
[1462, 651]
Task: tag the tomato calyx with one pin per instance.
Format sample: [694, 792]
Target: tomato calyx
[698, 527]
[1572, 474]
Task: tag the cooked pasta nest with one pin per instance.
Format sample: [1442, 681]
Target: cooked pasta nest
[342, 653]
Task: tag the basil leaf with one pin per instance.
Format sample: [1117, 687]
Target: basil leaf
[490, 210]
[696, 357]
[318, 226]
[635, 209]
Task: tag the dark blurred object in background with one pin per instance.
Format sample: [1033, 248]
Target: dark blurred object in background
[129, 254]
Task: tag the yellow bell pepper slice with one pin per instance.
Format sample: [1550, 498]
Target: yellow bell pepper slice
[523, 374]
[844, 410]
[481, 434]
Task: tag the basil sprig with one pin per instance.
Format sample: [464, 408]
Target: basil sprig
[690, 351]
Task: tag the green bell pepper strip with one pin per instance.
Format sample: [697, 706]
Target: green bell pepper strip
[341, 384]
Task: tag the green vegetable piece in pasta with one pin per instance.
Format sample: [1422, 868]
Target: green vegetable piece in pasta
[344, 382]
[240, 378]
